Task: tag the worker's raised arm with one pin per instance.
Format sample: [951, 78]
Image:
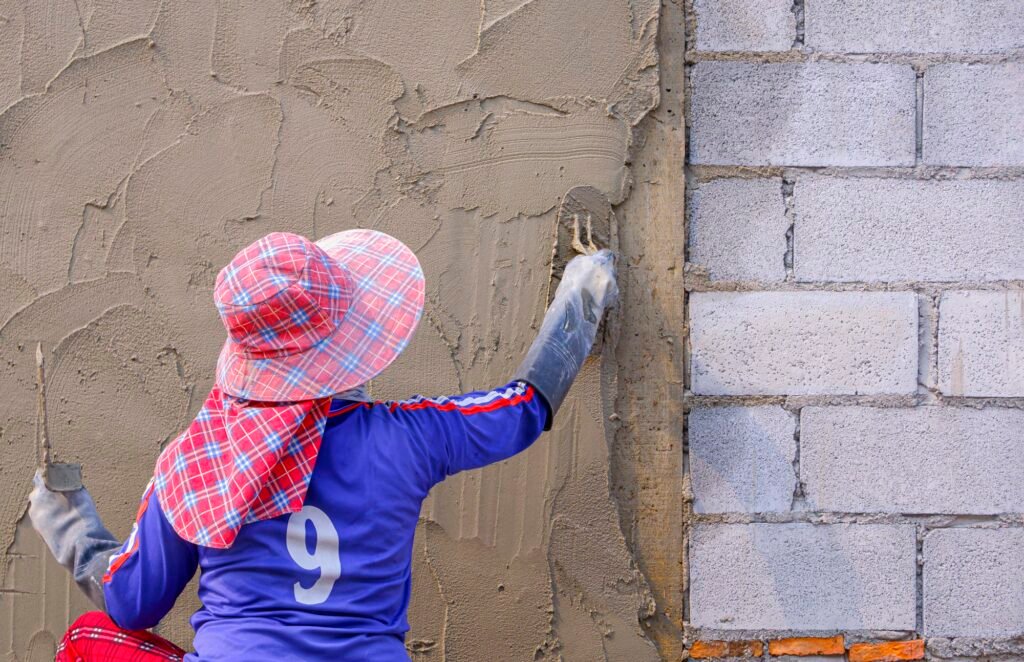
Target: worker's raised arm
[476, 429]
[567, 334]
[468, 431]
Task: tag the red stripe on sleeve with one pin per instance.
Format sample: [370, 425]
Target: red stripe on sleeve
[500, 403]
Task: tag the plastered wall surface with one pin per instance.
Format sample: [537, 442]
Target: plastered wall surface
[142, 144]
[855, 193]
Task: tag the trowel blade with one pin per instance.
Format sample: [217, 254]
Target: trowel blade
[63, 477]
[588, 207]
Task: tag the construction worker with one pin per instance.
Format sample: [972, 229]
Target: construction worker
[294, 493]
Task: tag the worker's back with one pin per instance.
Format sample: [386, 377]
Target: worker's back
[333, 580]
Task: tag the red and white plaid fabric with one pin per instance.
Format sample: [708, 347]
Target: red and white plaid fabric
[94, 638]
[240, 461]
[309, 320]
[304, 321]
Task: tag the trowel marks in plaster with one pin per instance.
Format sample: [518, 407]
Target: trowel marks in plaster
[139, 150]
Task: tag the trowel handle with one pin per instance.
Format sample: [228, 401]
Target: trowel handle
[42, 439]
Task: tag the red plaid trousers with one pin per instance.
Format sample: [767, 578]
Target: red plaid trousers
[95, 637]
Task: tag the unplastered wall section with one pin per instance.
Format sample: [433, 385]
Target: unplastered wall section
[142, 144]
[855, 269]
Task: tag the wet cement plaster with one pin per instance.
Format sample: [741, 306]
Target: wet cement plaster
[143, 144]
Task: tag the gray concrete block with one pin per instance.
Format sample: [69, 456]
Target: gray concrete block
[803, 576]
[803, 343]
[738, 229]
[745, 25]
[974, 114]
[802, 114]
[741, 459]
[973, 582]
[914, 26]
[925, 460]
[981, 343]
[895, 229]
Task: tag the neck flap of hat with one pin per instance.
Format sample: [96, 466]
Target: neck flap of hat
[239, 461]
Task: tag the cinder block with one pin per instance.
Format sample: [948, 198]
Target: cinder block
[925, 460]
[973, 582]
[741, 459]
[802, 114]
[745, 25]
[981, 343]
[803, 576]
[802, 343]
[738, 229]
[914, 26]
[974, 114]
[895, 229]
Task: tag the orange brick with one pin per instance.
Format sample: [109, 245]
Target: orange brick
[702, 650]
[892, 651]
[808, 646]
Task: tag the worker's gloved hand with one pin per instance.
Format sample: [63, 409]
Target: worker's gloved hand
[593, 274]
[70, 526]
[587, 289]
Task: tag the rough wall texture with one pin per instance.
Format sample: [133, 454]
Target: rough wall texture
[142, 143]
[856, 328]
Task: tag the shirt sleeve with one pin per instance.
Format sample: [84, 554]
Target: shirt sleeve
[151, 569]
[475, 429]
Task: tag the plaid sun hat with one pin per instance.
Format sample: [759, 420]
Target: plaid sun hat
[309, 320]
[304, 321]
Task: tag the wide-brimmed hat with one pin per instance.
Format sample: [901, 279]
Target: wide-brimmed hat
[307, 320]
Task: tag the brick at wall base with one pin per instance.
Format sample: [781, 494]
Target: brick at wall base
[808, 646]
[892, 651]
[704, 650]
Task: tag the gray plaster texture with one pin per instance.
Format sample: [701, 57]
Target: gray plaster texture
[803, 576]
[741, 459]
[142, 144]
[981, 343]
[883, 230]
[924, 460]
[745, 25]
[974, 114]
[914, 26]
[973, 581]
[803, 343]
[802, 114]
[738, 229]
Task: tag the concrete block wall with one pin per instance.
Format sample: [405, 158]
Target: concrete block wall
[855, 284]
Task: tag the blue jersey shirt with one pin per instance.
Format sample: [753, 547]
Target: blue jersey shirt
[331, 582]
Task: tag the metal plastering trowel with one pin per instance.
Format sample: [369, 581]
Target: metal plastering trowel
[585, 224]
[58, 477]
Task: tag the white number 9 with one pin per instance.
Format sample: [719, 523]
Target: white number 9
[325, 555]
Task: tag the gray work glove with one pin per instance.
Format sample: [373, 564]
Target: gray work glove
[587, 289]
[70, 526]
